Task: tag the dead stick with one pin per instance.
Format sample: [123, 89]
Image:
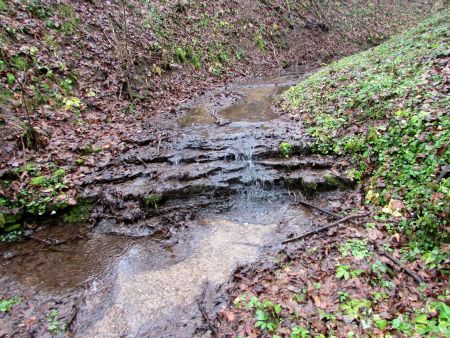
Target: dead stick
[320, 209]
[402, 267]
[140, 160]
[326, 227]
[380, 251]
[394, 260]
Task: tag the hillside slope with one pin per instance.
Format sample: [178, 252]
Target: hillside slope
[388, 109]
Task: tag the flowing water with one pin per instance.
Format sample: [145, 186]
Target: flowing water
[224, 197]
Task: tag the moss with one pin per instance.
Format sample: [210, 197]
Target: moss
[152, 200]
[90, 149]
[309, 186]
[13, 227]
[331, 181]
[2, 220]
[79, 213]
[38, 181]
[12, 218]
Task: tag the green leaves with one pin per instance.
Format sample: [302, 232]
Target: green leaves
[260, 315]
[55, 326]
[299, 332]
[345, 272]
[10, 78]
[342, 272]
[379, 322]
[266, 313]
[286, 149]
[7, 304]
[401, 325]
[355, 247]
[356, 308]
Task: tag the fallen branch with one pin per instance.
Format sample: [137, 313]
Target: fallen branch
[320, 209]
[380, 251]
[326, 227]
[394, 260]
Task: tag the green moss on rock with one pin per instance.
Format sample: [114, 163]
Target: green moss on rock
[79, 213]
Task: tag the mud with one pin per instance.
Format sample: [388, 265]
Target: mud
[211, 194]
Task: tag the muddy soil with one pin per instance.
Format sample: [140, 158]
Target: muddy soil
[171, 221]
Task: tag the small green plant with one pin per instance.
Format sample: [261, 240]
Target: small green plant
[267, 314]
[355, 247]
[181, 54]
[378, 269]
[70, 22]
[152, 200]
[10, 234]
[356, 308]
[259, 41]
[239, 300]
[345, 272]
[402, 324]
[79, 161]
[286, 149]
[434, 258]
[196, 60]
[379, 322]
[90, 149]
[300, 297]
[299, 332]
[239, 55]
[130, 109]
[39, 181]
[7, 304]
[326, 316]
[55, 326]
[38, 10]
[216, 69]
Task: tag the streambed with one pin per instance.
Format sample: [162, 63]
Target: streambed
[174, 219]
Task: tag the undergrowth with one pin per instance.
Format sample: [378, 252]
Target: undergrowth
[387, 109]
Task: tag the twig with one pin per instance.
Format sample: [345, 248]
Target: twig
[159, 146]
[376, 246]
[394, 260]
[202, 309]
[320, 209]
[326, 227]
[140, 160]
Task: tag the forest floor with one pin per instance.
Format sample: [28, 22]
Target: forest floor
[104, 87]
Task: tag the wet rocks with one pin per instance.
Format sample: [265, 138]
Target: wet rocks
[201, 164]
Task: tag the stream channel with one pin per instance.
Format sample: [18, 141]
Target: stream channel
[212, 194]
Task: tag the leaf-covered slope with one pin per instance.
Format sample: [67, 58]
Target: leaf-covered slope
[388, 108]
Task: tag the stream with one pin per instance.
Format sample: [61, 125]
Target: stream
[175, 218]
